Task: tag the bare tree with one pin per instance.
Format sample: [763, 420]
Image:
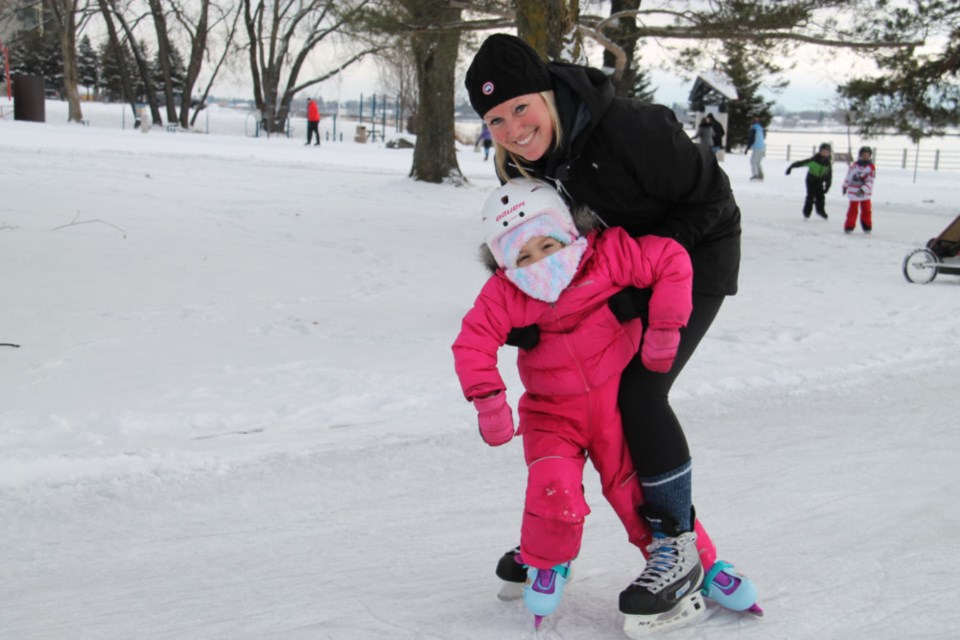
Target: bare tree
[65, 13]
[199, 26]
[163, 55]
[119, 55]
[113, 14]
[398, 76]
[282, 34]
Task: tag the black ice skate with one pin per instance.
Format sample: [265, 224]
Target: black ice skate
[513, 573]
[667, 593]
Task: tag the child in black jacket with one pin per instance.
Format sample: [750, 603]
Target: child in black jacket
[819, 176]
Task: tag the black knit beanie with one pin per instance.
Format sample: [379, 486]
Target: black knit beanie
[505, 67]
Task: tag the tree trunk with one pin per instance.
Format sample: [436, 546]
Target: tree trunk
[549, 26]
[163, 54]
[198, 46]
[65, 13]
[623, 34]
[265, 65]
[435, 53]
[125, 73]
[199, 53]
[142, 65]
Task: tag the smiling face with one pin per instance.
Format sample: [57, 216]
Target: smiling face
[522, 126]
[536, 249]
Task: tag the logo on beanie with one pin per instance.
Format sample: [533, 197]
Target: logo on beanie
[487, 88]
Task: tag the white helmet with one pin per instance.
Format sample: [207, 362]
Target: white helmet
[518, 201]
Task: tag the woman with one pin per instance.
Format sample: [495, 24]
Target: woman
[636, 168]
[718, 132]
[705, 133]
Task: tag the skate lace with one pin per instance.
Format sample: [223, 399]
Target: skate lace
[663, 563]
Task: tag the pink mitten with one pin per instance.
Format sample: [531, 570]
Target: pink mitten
[659, 349]
[495, 418]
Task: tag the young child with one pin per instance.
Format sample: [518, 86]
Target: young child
[858, 187]
[819, 176]
[548, 274]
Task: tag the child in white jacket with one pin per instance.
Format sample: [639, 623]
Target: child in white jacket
[858, 187]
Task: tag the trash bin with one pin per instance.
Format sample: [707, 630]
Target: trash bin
[28, 98]
[361, 134]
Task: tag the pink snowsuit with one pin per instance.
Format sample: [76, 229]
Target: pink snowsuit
[572, 377]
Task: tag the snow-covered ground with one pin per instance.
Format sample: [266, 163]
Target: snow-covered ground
[232, 412]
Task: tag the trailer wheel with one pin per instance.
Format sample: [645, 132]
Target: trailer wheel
[920, 266]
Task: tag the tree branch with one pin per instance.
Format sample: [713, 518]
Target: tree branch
[76, 222]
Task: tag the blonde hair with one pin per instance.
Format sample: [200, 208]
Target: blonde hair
[502, 156]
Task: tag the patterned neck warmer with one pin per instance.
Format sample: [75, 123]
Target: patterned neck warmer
[546, 279]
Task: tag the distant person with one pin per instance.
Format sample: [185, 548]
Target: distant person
[704, 137]
[718, 132]
[819, 176]
[313, 121]
[858, 187]
[486, 140]
[757, 144]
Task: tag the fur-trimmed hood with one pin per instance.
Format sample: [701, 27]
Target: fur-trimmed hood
[585, 219]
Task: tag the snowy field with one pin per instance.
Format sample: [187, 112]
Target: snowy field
[232, 411]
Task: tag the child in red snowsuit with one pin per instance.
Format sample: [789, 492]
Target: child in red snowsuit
[858, 187]
[551, 276]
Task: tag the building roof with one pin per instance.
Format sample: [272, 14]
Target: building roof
[712, 82]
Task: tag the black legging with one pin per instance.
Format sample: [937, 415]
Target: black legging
[653, 433]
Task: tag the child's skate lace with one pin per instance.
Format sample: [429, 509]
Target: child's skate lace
[663, 565]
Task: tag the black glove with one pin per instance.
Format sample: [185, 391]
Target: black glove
[630, 303]
[524, 337]
[843, 190]
[788, 170]
[826, 187]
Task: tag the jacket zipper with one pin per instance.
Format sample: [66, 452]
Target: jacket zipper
[573, 357]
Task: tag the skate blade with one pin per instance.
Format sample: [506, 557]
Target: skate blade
[686, 612]
[755, 610]
[511, 591]
[536, 621]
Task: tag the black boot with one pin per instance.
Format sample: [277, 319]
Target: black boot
[509, 570]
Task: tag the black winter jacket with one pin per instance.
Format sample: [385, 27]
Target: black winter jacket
[636, 168]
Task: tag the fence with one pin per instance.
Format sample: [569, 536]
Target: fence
[891, 157]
